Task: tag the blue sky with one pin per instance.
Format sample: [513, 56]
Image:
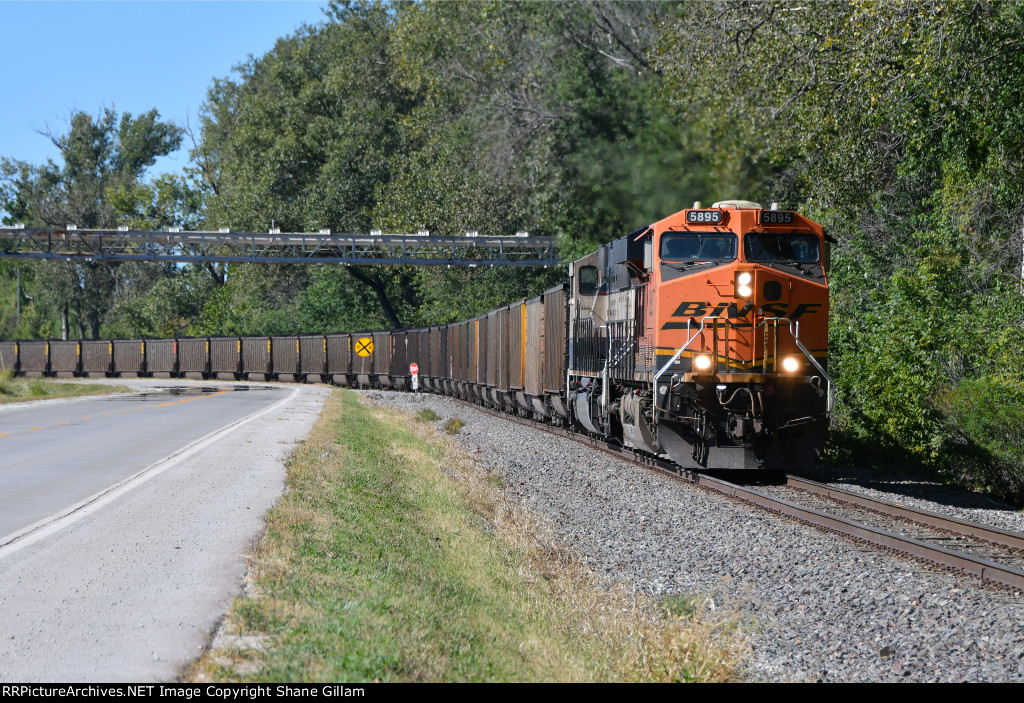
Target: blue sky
[64, 56]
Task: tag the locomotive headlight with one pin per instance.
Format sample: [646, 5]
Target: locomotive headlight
[702, 362]
[744, 284]
[791, 364]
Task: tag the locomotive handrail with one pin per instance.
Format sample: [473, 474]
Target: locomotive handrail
[830, 398]
[794, 331]
[621, 354]
[675, 357]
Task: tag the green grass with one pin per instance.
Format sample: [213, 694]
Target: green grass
[393, 557]
[14, 390]
[454, 426]
[427, 415]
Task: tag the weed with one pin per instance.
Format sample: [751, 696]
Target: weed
[427, 415]
[454, 426]
[38, 388]
[397, 558]
[680, 605]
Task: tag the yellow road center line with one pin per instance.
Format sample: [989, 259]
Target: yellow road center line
[63, 422]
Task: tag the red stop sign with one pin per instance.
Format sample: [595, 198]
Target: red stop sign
[414, 368]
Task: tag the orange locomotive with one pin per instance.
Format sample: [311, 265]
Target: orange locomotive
[705, 337]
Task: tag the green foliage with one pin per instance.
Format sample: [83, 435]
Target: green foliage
[37, 388]
[104, 158]
[899, 126]
[454, 425]
[985, 417]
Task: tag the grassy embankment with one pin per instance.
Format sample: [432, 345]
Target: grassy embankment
[16, 390]
[394, 557]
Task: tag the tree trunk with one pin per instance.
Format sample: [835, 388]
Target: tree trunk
[65, 327]
[216, 274]
[382, 294]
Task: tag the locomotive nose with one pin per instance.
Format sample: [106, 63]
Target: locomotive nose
[762, 290]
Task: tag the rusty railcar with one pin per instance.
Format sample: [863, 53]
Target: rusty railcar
[65, 358]
[97, 357]
[226, 357]
[534, 350]
[382, 359]
[129, 357]
[433, 335]
[465, 352]
[412, 356]
[556, 307]
[491, 349]
[412, 345]
[194, 357]
[423, 358]
[471, 348]
[257, 362]
[34, 358]
[478, 358]
[516, 357]
[500, 392]
[9, 356]
[285, 354]
[313, 357]
[162, 357]
[442, 360]
[398, 373]
[452, 358]
[339, 358]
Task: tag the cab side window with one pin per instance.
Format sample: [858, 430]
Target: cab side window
[587, 280]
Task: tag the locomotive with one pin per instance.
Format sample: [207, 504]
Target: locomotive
[702, 337]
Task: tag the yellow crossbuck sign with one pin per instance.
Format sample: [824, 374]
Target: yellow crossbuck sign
[364, 346]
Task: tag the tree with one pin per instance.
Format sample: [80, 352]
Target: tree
[101, 156]
[302, 137]
[899, 125]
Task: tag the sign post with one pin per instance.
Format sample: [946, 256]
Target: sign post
[414, 369]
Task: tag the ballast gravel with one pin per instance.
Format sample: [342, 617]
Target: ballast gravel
[818, 607]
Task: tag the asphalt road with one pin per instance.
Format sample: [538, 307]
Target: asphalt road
[124, 522]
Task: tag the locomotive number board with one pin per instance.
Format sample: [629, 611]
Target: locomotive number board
[777, 217]
[705, 217]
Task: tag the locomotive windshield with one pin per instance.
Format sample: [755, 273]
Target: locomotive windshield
[769, 246]
[698, 246]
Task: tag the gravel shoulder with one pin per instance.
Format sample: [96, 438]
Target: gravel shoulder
[818, 606]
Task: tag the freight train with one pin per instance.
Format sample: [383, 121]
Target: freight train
[702, 337]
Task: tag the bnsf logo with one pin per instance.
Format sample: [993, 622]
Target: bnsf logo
[733, 311]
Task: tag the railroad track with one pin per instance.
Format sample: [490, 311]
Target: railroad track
[990, 554]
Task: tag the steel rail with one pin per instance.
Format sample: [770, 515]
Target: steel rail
[925, 517]
[983, 569]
